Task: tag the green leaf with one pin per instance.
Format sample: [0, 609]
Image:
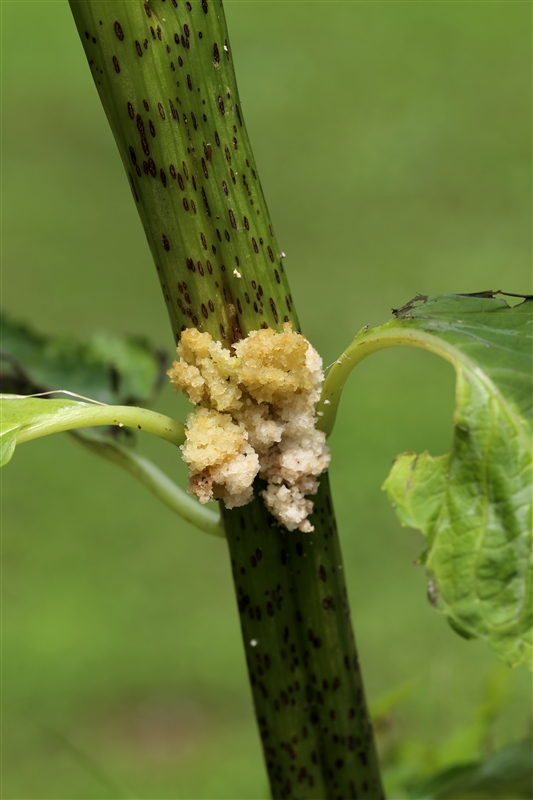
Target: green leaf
[507, 775]
[473, 504]
[105, 367]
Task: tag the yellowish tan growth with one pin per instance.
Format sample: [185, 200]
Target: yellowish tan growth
[255, 415]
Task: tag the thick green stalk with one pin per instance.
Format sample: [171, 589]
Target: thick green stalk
[301, 655]
[165, 76]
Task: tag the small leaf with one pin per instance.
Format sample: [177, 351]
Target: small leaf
[105, 367]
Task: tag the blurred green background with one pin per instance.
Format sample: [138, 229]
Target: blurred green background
[394, 145]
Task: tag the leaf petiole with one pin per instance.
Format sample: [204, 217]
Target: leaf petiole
[155, 481]
[36, 417]
[365, 344]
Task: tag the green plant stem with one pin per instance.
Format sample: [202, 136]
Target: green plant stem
[165, 76]
[85, 415]
[301, 655]
[153, 479]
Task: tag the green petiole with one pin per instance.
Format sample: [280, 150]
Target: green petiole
[159, 484]
[54, 416]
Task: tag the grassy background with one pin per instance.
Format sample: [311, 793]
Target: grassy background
[394, 143]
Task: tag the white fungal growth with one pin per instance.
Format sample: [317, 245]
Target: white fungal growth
[255, 415]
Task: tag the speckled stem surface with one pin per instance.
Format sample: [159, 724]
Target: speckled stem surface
[301, 655]
[164, 73]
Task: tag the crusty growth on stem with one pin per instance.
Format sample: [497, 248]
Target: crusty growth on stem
[255, 415]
